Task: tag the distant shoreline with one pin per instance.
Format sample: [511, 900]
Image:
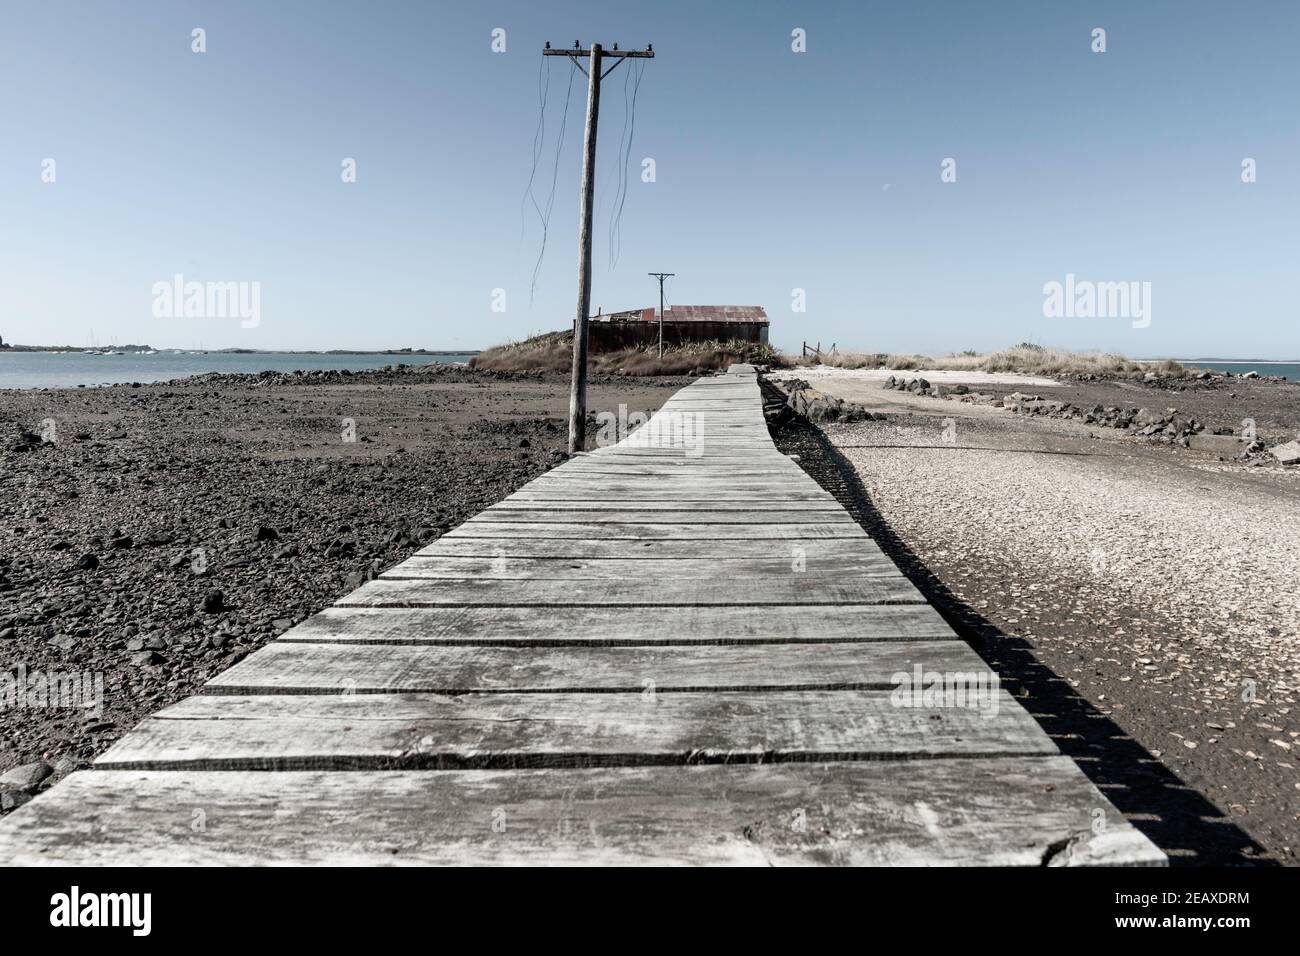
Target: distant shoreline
[1233, 361]
[180, 351]
[26, 368]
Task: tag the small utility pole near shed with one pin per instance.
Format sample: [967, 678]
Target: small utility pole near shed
[661, 276]
[578, 389]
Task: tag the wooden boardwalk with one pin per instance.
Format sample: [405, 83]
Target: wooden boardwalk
[678, 649]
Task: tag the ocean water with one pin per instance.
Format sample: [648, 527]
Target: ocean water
[70, 369]
[1290, 369]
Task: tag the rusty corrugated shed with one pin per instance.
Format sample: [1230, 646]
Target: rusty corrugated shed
[691, 313]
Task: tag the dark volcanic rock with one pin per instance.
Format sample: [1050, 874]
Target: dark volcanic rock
[817, 406]
[13, 799]
[26, 777]
[64, 642]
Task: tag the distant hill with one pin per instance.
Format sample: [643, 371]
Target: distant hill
[72, 348]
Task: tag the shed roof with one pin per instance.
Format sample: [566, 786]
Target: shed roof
[691, 313]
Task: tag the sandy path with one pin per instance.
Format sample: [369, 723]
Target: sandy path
[1160, 582]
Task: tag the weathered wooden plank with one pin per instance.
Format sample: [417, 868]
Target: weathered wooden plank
[756, 570]
[683, 425]
[606, 547]
[677, 468]
[680, 417]
[741, 454]
[615, 626]
[692, 437]
[684, 428]
[683, 471]
[712, 450]
[777, 478]
[410, 731]
[699, 442]
[691, 495]
[692, 429]
[991, 812]
[698, 445]
[515, 504]
[696, 426]
[661, 499]
[672, 489]
[652, 460]
[828, 517]
[639, 476]
[775, 532]
[390, 590]
[692, 442]
[693, 432]
[283, 667]
[712, 409]
[693, 421]
[687, 427]
[713, 485]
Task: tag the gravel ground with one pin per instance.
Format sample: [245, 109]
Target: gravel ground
[1159, 583]
[170, 530]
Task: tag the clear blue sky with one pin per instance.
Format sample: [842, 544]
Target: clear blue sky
[772, 169]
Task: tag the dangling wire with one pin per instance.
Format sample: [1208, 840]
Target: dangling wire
[539, 137]
[620, 173]
[545, 215]
[625, 156]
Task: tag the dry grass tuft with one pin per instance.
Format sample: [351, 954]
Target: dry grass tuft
[1026, 357]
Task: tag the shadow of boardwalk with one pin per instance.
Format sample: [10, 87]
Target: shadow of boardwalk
[1178, 819]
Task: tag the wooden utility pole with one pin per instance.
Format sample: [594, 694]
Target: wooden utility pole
[578, 388]
[661, 276]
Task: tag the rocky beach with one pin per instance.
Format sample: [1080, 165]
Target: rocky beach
[152, 536]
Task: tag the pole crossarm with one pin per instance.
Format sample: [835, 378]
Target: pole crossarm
[648, 52]
[618, 56]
